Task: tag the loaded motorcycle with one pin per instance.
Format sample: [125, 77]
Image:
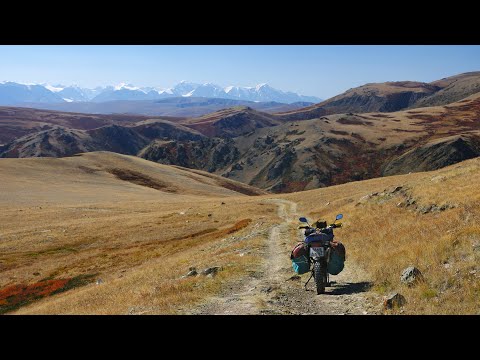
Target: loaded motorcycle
[319, 253]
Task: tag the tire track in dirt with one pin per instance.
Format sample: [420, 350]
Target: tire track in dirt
[275, 290]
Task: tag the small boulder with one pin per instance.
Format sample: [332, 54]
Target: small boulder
[394, 300]
[266, 289]
[192, 271]
[99, 281]
[211, 271]
[411, 276]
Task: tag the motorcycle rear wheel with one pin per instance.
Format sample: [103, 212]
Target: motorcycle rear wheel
[320, 275]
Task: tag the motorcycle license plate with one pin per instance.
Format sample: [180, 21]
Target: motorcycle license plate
[317, 252]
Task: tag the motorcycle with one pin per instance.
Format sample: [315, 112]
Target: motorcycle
[320, 246]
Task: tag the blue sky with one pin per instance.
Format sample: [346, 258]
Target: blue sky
[318, 70]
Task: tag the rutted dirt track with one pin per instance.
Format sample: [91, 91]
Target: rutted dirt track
[275, 289]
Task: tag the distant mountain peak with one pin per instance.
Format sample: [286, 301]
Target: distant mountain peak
[126, 91]
[126, 86]
[52, 88]
[259, 86]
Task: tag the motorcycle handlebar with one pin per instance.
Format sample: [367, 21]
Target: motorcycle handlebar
[339, 225]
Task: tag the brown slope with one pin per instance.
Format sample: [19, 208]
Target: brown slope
[453, 89]
[331, 150]
[61, 141]
[392, 96]
[231, 122]
[374, 97]
[106, 176]
[16, 122]
[436, 154]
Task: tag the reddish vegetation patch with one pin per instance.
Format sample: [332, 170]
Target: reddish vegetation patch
[15, 296]
[194, 235]
[238, 226]
[214, 232]
[18, 295]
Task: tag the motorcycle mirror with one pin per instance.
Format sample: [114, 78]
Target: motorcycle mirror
[302, 219]
[339, 216]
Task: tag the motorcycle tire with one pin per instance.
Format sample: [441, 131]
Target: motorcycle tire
[320, 275]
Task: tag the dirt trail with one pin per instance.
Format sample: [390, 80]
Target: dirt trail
[275, 289]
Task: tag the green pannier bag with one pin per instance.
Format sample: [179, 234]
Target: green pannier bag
[301, 265]
[337, 260]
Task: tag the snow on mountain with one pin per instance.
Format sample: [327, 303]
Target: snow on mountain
[239, 93]
[74, 93]
[183, 88]
[168, 91]
[264, 92]
[122, 86]
[54, 88]
[17, 93]
[207, 90]
[125, 92]
[12, 93]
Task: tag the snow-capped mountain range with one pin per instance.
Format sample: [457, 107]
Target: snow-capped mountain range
[12, 93]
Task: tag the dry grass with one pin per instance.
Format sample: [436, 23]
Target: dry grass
[136, 247]
[384, 237]
[52, 229]
[156, 286]
[140, 246]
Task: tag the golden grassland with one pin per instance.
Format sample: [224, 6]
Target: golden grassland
[384, 236]
[140, 241]
[156, 286]
[133, 236]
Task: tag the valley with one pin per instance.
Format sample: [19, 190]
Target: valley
[268, 151]
[144, 214]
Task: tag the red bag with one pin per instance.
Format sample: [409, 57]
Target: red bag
[298, 250]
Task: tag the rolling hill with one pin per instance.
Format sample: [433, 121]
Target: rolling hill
[116, 234]
[339, 148]
[261, 150]
[108, 176]
[231, 122]
[453, 88]
[16, 122]
[392, 96]
[282, 152]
